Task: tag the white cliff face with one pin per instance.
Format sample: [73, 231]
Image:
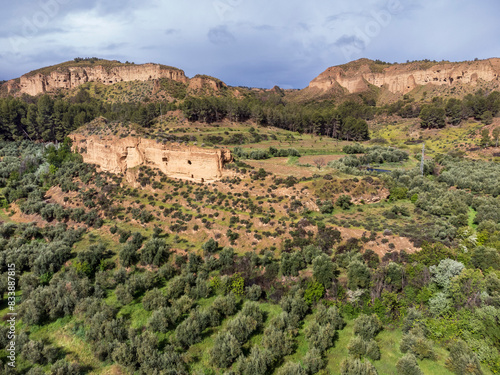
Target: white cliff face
[68, 78]
[118, 155]
[401, 79]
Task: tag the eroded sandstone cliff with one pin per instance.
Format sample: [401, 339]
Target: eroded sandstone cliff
[120, 155]
[403, 78]
[71, 77]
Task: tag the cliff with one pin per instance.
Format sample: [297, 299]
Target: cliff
[356, 77]
[119, 155]
[66, 76]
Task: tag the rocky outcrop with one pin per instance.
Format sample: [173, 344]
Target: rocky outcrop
[119, 155]
[403, 78]
[71, 77]
[200, 82]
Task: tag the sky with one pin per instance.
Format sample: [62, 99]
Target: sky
[255, 43]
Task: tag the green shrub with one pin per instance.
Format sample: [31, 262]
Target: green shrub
[462, 360]
[344, 202]
[367, 326]
[407, 365]
[354, 366]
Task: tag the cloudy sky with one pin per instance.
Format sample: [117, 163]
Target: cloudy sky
[258, 43]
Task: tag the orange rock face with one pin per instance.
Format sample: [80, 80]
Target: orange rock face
[401, 78]
[119, 155]
[71, 77]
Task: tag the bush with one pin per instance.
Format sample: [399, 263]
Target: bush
[354, 366]
[372, 350]
[344, 202]
[253, 292]
[357, 347]
[62, 367]
[320, 337]
[413, 319]
[415, 343]
[330, 316]
[256, 363]
[324, 270]
[445, 271]
[313, 361]
[291, 368]
[314, 292]
[153, 300]
[462, 360]
[407, 365]
[358, 274]
[210, 247]
[155, 252]
[225, 349]
[367, 326]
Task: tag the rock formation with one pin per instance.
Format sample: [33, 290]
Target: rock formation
[71, 77]
[200, 82]
[120, 155]
[355, 77]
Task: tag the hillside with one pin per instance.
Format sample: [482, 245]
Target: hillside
[73, 74]
[393, 81]
[178, 227]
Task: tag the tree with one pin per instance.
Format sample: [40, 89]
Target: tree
[432, 117]
[485, 138]
[33, 352]
[155, 252]
[462, 360]
[320, 336]
[279, 343]
[358, 274]
[344, 202]
[485, 257]
[319, 162]
[487, 117]
[253, 292]
[357, 347]
[367, 326]
[414, 342]
[291, 368]
[324, 270]
[313, 361]
[454, 111]
[444, 271]
[210, 247]
[257, 362]
[314, 292]
[330, 316]
[327, 237]
[407, 365]
[496, 135]
[354, 366]
[225, 349]
[62, 367]
[153, 300]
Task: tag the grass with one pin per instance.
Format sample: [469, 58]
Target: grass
[388, 341]
[472, 215]
[59, 333]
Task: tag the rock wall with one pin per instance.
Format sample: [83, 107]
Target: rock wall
[401, 78]
[68, 78]
[118, 155]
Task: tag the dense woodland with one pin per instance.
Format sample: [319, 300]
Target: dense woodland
[153, 302]
[50, 119]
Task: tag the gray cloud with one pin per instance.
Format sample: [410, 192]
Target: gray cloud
[220, 35]
[251, 43]
[171, 31]
[349, 40]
